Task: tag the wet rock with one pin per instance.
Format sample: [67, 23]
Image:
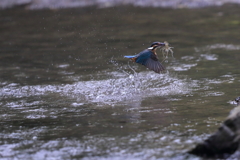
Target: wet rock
[39, 4]
[225, 143]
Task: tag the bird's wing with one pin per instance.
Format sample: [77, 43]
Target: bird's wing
[143, 56]
[154, 65]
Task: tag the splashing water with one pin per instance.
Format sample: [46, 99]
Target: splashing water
[128, 88]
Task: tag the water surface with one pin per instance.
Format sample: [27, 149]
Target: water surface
[68, 93]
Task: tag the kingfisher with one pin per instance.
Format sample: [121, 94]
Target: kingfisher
[148, 57]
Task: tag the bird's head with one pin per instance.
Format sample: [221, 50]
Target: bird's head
[155, 45]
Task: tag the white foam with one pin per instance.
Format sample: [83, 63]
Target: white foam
[218, 46]
[115, 90]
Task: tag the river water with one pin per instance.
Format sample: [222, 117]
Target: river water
[68, 93]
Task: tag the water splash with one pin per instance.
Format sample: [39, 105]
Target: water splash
[131, 87]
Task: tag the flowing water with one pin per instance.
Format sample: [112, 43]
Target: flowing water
[68, 93]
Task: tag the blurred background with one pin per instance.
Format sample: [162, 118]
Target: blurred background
[40, 4]
[67, 92]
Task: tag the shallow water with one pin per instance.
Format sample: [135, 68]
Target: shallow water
[68, 93]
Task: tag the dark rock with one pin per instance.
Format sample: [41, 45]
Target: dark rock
[226, 141]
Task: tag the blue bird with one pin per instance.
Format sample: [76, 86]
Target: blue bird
[148, 57]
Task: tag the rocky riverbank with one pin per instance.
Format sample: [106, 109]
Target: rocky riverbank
[226, 141]
[55, 4]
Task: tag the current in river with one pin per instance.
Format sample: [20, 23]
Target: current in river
[67, 92]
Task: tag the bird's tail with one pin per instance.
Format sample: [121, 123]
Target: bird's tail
[129, 56]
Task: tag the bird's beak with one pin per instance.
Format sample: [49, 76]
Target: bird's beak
[161, 44]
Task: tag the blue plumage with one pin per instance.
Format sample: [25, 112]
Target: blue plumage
[129, 56]
[148, 58]
[143, 56]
